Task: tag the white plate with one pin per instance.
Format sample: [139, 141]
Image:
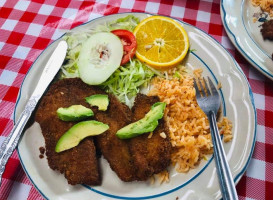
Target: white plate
[237, 17]
[200, 183]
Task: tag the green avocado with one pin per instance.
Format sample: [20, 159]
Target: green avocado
[144, 125]
[78, 132]
[100, 100]
[74, 113]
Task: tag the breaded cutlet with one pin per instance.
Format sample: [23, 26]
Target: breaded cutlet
[79, 164]
[150, 155]
[133, 159]
[115, 150]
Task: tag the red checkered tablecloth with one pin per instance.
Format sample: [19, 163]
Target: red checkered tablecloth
[28, 27]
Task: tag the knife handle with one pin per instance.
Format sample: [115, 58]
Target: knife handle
[10, 143]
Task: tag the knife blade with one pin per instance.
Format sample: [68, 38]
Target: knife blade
[50, 70]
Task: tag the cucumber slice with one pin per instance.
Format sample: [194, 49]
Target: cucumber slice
[99, 57]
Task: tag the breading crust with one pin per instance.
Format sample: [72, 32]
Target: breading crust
[115, 150]
[133, 159]
[150, 155]
[79, 164]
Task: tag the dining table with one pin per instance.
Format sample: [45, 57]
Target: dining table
[27, 27]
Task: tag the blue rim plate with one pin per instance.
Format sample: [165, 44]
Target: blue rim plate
[237, 17]
[199, 183]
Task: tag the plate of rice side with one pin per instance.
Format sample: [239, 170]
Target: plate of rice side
[244, 21]
[192, 172]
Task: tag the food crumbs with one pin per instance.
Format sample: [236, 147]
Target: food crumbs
[164, 177]
[163, 135]
[219, 86]
[152, 180]
[42, 152]
[197, 72]
[150, 135]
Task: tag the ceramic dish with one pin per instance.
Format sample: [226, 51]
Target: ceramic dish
[199, 183]
[237, 17]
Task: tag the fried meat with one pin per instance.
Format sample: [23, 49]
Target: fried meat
[132, 159]
[79, 164]
[150, 155]
[115, 150]
[267, 30]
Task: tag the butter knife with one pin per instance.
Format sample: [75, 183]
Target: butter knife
[51, 68]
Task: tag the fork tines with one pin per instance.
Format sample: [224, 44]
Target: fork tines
[204, 89]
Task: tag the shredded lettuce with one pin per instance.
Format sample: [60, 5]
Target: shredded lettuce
[127, 81]
[128, 23]
[177, 75]
[74, 42]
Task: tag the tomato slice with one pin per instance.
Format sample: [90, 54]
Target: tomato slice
[129, 43]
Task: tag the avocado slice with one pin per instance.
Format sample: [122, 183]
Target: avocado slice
[78, 132]
[74, 113]
[144, 125]
[100, 100]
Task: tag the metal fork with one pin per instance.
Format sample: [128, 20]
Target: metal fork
[209, 102]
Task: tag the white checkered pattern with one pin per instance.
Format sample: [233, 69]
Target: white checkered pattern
[22, 5]
[203, 16]
[46, 9]
[2, 3]
[21, 52]
[7, 77]
[261, 135]
[94, 16]
[34, 29]
[178, 11]
[1, 45]
[19, 191]
[70, 13]
[127, 4]
[9, 25]
[259, 101]
[152, 7]
[256, 169]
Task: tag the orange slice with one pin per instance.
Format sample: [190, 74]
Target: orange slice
[161, 42]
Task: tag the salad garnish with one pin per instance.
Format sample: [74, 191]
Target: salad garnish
[127, 80]
[133, 74]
